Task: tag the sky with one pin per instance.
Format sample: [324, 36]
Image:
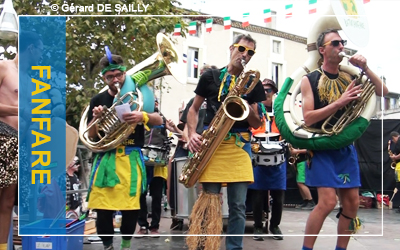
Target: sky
[382, 51]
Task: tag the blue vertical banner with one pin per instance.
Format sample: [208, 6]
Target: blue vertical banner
[42, 125]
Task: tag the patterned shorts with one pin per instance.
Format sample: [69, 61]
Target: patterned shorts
[8, 155]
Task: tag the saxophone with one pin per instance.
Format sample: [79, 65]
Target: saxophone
[231, 110]
[393, 164]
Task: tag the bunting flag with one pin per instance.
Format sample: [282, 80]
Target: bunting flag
[193, 28]
[312, 6]
[288, 9]
[184, 58]
[209, 23]
[195, 63]
[245, 20]
[227, 23]
[366, 1]
[177, 30]
[267, 16]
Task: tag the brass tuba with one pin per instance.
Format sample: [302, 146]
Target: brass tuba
[335, 125]
[231, 110]
[111, 131]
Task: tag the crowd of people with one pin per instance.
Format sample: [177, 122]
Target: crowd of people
[122, 178]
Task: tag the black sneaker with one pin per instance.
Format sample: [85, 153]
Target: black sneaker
[277, 234]
[300, 206]
[257, 234]
[109, 247]
[309, 206]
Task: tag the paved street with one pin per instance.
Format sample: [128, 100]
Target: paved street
[293, 224]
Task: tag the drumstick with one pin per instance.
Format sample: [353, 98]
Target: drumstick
[394, 192]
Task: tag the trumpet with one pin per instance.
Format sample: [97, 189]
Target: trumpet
[293, 158]
[393, 164]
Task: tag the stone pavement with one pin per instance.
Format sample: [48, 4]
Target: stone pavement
[370, 237]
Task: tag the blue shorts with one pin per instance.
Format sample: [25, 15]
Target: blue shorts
[334, 168]
[269, 178]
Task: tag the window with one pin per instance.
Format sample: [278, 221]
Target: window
[276, 47]
[276, 73]
[193, 63]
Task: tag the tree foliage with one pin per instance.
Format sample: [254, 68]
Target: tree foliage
[132, 37]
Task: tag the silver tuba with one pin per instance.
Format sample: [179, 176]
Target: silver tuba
[111, 131]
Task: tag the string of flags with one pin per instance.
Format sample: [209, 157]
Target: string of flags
[227, 23]
[245, 22]
[312, 6]
[288, 9]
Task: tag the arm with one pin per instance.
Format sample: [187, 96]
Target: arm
[185, 134]
[154, 118]
[96, 113]
[138, 117]
[296, 151]
[192, 119]
[7, 110]
[312, 116]
[395, 157]
[361, 62]
[170, 125]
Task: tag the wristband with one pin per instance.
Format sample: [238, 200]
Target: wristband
[145, 120]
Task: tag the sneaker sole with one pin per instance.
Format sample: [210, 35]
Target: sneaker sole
[258, 239]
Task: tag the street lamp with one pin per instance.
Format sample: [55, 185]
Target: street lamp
[8, 22]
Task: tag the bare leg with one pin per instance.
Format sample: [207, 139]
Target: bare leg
[350, 202]
[304, 191]
[300, 190]
[7, 197]
[326, 203]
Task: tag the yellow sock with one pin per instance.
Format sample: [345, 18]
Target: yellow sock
[3, 246]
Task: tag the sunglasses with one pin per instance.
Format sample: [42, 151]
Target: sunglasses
[242, 49]
[335, 43]
[268, 90]
[109, 78]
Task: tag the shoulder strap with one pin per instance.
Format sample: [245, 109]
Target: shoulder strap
[216, 73]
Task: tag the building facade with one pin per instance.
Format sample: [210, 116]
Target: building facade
[278, 55]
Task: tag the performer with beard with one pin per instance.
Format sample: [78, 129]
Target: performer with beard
[118, 176]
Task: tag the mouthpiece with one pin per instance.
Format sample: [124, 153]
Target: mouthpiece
[342, 54]
[243, 63]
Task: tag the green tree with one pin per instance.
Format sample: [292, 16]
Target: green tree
[132, 37]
